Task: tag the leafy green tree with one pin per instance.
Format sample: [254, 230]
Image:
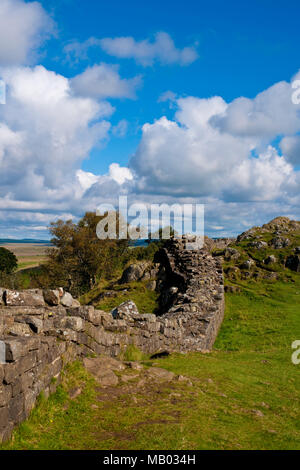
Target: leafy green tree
[8, 261]
[79, 258]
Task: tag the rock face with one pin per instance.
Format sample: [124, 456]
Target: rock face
[139, 272]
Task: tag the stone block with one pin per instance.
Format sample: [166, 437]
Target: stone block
[51, 296]
[16, 409]
[5, 394]
[75, 323]
[3, 417]
[30, 297]
[6, 432]
[66, 300]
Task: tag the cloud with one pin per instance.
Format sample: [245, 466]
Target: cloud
[144, 52]
[167, 96]
[120, 129]
[76, 51]
[269, 114]
[290, 147]
[119, 174]
[45, 133]
[23, 29]
[104, 81]
[194, 155]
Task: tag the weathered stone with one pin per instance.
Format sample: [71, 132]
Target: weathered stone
[30, 297]
[103, 374]
[134, 365]
[247, 264]
[16, 409]
[151, 285]
[66, 300]
[125, 310]
[259, 244]
[2, 356]
[6, 432]
[29, 401]
[279, 242]
[15, 348]
[2, 295]
[75, 323]
[18, 329]
[5, 394]
[52, 296]
[136, 272]
[3, 417]
[156, 373]
[36, 324]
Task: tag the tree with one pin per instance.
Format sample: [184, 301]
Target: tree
[79, 258]
[8, 261]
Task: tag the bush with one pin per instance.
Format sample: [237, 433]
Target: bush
[8, 261]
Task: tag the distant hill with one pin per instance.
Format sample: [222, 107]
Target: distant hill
[4, 241]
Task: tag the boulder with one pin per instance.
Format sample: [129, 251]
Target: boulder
[293, 263]
[151, 285]
[270, 259]
[247, 264]
[67, 300]
[101, 370]
[158, 374]
[125, 310]
[29, 297]
[280, 242]
[231, 253]
[139, 272]
[258, 244]
[51, 296]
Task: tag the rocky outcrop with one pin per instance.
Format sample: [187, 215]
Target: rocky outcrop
[139, 272]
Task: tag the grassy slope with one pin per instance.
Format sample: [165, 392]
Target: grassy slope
[245, 394]
[145, 299]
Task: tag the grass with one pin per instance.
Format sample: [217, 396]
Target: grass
[245, 394]
[25, 263]
[146, 300]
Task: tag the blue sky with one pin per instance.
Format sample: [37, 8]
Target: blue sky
[157, 100]
[244, 47]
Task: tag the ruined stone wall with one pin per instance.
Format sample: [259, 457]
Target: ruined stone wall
[41, 331]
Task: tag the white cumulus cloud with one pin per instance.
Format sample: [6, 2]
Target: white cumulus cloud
[104, 81]
[23, 28]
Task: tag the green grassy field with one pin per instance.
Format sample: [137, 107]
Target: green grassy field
[244, 395]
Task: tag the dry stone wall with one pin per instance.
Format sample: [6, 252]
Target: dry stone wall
[40, 331]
